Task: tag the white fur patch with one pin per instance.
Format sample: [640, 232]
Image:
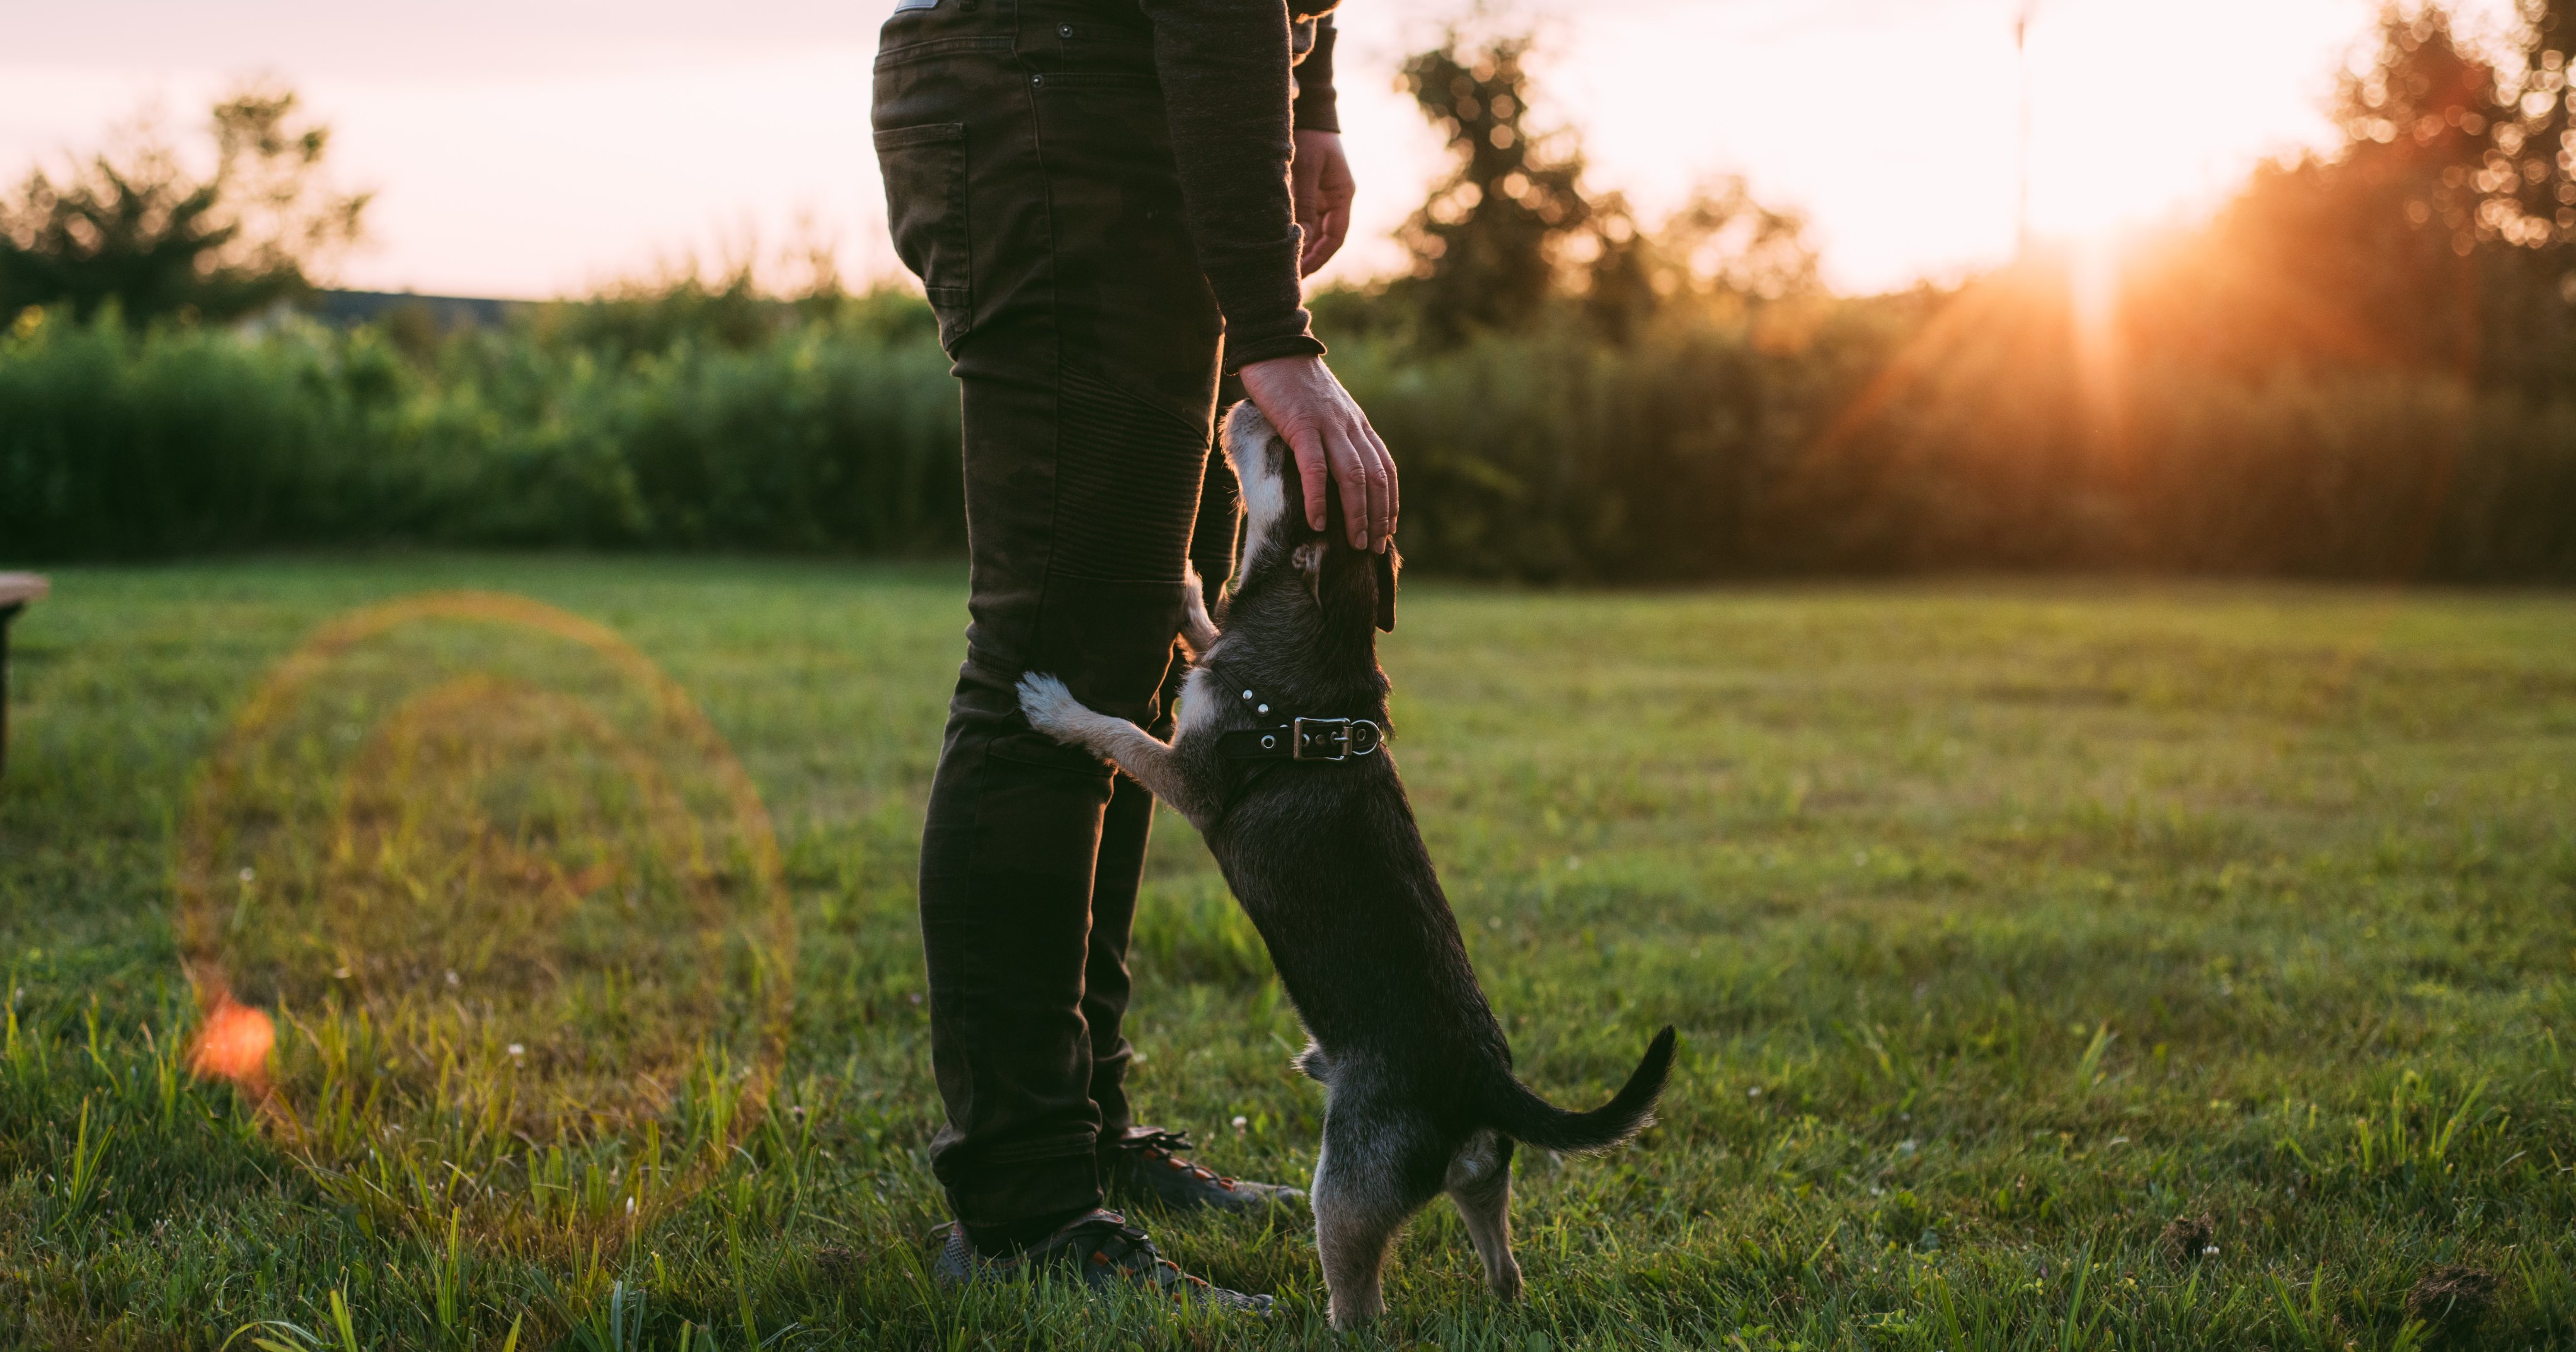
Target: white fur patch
[1265, 494]
[1200, 702]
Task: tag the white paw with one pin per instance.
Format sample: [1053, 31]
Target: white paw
[1197, 628]
[1051, 708]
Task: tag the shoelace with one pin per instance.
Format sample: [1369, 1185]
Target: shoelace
[1129, 1241]
[1160, 1146]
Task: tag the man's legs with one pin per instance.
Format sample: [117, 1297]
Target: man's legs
[1036, 197]
[1126, 829]
[1022, 935]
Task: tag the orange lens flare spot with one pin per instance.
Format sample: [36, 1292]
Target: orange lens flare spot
[234, 1044]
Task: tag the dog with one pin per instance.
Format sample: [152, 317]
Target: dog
[1278, 758]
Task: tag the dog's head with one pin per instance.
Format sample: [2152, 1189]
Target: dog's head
[1275, 533]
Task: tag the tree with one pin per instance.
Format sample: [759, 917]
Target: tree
[134, 229]
[1487, 246]
[1512, 228]
[1722, 247]
[1724, 243]
[2406, 247]
[2529, 179]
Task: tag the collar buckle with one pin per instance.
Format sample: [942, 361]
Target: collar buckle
[1332, 739]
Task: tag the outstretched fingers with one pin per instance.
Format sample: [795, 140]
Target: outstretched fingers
[1314, 471]
[1351, 459]
[1332, 440]
[1394, 499]
[1363, 481]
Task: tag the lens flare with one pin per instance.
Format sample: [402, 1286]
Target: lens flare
[469, 873]
[234, 1044]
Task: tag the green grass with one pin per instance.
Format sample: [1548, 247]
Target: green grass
[2005, 926]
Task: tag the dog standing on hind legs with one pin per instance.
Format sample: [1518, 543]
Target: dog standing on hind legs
[1278, 759]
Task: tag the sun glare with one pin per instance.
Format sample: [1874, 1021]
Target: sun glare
[1896, 127]
[2141, 112]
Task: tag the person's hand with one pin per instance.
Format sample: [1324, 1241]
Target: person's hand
[1320, 180]
[1325, 428]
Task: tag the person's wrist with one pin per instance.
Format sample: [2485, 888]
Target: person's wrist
[1294, 343]
[1297, 378]
[1273, 366]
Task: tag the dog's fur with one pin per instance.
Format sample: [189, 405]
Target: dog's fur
[1328, 863]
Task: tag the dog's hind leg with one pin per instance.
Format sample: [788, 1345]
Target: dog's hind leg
[1360, 1202]
[1480, 1185]
[1052, 709]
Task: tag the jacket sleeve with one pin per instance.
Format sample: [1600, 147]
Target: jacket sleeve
[1224, 71]
[1316, 107]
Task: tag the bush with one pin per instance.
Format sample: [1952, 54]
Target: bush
[182, 440]
[1919, 432]
[823, 435]
[1831, 444]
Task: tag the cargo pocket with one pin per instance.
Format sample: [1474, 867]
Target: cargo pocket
[925, 185]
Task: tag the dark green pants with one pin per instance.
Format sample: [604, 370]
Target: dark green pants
[1030, 185]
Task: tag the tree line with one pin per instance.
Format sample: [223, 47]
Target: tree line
[2362, 366]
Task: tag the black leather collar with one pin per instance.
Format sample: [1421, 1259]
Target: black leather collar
[1330, 740]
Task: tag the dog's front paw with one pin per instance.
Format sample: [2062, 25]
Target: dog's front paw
[1197, 630]
[1050, 706]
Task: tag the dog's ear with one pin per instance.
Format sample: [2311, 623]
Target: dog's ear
[1309, 561]
[1386, 566]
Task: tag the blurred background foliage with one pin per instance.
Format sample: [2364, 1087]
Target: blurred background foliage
[2364, 367]
[135, 231]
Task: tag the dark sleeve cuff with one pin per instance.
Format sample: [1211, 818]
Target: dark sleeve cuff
[1287, 345]
[1316, 109]
[1256, 286]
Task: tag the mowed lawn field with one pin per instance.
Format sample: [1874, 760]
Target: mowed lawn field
[2057, 965]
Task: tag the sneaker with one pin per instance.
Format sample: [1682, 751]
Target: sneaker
[1144, 1165]
[1100, 1250]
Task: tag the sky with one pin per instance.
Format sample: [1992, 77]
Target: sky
[539, 147]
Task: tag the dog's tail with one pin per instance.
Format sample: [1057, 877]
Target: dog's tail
[1522, 1115]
